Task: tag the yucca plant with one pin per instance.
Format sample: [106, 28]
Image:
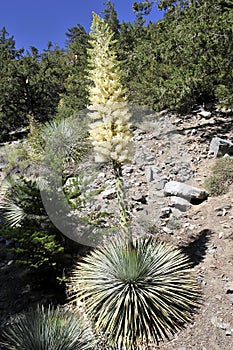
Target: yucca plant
[110, 131]
[135, 296]
[49, 329]
[34, 239]
[135, 292]
[21, 202]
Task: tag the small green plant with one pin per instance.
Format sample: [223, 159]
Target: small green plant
[21, 202]
[78, 190]
[16, 155]
[221, 177]
[35, 249]
[136, 294]
[34, 239]
[49, 329]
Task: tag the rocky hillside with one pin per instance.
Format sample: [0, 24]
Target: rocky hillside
[165, 186]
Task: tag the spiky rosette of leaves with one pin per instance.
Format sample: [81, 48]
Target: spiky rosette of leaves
[110, 131]
[20, 201]
[49, 329]
[136, 295]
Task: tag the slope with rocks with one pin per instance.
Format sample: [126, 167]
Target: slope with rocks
[170, 148]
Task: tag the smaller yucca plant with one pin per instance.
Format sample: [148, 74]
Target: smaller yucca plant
[49, 329]
[136, 295]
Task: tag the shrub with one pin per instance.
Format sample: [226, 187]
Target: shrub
[221, 177]
[37, 250]
[138, 294]
[35, 241]
[21, 202]
[49, 329]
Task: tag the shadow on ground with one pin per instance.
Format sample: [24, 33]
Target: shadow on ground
[197, 248]
[222, 125]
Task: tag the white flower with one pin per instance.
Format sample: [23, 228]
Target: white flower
[110, 132]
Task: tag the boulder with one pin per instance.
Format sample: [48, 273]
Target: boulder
[219, 147]
[180, 189]
[205, 114]
[180, 203]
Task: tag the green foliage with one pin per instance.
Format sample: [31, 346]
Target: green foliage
[110, 17]
[35, 241]
[66, 139]
[35, 142]
[184, 59]
[69, 135]
[9, 87]
[224, 95]
[141, 9]
[21, 202]
[135, 295]
[16, 158]
[78, 190]
[43, 78]
[221, 177]
[75, 95]
[34, 249]
[49, 329]
[59, 145]
[31, 83]
[81, 196]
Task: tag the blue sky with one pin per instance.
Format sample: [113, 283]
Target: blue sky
[35, 22]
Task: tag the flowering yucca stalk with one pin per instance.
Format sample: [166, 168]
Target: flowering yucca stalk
[110, 131]
[135, 291]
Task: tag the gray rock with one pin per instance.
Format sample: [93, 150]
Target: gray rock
[193, 132]
[219, 147]
[229, 288]
[179, 189]
[160, 153]
[205, 114]
[151, 172]
[177, 121]
[101, 175]
[165, 212]
[109, 193]
[180, 203]
[228, 332]
[150, 158]
[139, 197]
[128, 170]
[231, 298]
[167, 230]
[160, 185]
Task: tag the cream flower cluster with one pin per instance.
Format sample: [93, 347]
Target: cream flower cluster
[110, 131]
[110, 134]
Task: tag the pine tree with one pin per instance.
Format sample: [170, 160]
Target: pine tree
[75, 96]
[110, 17]
[141, 9]
[9, 85]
